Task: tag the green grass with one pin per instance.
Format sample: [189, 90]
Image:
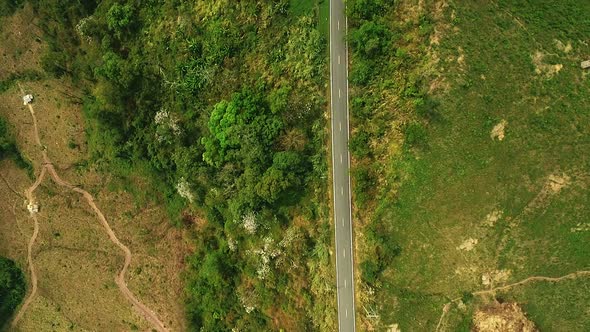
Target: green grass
[324, 18]
[308, 7]
[301, 7]
[460, 175]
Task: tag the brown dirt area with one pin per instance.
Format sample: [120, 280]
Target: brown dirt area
[74, 259]
[542, 67]
[498, 132]
[507, 317]
[20, 43]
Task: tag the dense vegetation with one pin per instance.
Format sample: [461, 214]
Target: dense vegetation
[220, 104]
[439, 179]
[12, 289]
[8, 148]
[8, 7]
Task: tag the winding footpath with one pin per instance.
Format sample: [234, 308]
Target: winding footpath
[146, 312]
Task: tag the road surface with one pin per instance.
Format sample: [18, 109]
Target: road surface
[340, 166]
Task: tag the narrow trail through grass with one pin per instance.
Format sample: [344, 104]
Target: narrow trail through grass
[573, 275]
[148, 314]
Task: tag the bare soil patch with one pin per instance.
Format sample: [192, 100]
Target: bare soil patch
[543, 68]
[492, 218]
[498, 132]
[468, 244]
[565, 48]
[506, 317]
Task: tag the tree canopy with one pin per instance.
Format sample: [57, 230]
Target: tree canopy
[12, 289]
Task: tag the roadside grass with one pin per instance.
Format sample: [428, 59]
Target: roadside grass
[308, 7]
[507, 60]
[324, 18]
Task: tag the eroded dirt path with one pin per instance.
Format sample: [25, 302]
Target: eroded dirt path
[30, 198]
[573, 275]
[120, 278]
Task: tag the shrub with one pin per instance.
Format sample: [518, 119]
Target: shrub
[359, 144]
[12, 288]
[415, 134]
[370, 40]
[362, 72]
[370, 271]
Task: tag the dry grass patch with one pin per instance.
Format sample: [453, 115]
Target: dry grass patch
[20, 44]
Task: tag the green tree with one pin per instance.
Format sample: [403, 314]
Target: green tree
[359, 10]
[119, 18]
[370, 271]
[370, 39]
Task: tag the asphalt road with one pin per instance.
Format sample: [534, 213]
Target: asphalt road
[340, 166]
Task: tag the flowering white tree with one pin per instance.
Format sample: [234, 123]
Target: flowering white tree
[82, 28]
[167, 121]
[266, 253]
[249, 222]
[183, 189]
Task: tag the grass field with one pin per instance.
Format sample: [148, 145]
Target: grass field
[465, 206]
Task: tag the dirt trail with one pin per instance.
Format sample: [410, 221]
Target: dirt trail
[30, 198]
[120, 278]
[572, 275]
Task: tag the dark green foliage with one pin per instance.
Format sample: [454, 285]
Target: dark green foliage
[242, 130]
[415, 134]
[26, 75]
[119, 18]
[211, 289]
[364, 184]
[359, 144]
[360, 10]
[8, 148]
[8, 7]
[12, 289]
[54, 62]
[362, 72]
[370, 40]
[370, 271]
[279, 99]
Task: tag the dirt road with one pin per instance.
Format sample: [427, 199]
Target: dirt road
[120, 278]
